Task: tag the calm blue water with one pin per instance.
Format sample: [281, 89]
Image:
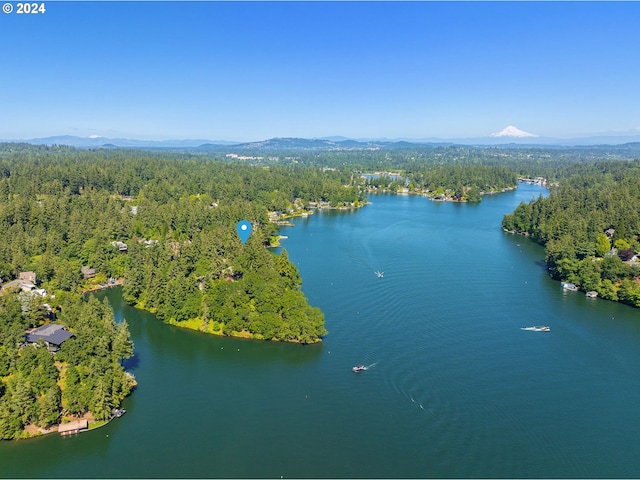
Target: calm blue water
[454, 387]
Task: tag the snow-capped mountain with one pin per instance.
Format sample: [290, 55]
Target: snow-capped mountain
[513, 132]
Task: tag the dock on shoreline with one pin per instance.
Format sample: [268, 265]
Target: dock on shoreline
[94, 288]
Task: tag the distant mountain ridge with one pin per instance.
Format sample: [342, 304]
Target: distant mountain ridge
[97, 142]
[329, 143]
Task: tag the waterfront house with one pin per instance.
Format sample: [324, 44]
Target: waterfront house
[88, 272]
[51, 334]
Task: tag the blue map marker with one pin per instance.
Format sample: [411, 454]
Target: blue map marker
[244, 230]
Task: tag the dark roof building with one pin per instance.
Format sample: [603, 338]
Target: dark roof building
[53, 335]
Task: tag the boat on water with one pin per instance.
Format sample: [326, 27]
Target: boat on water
[569, 286]
[117, 412]
[379, 273]
[543, 328]
[359, 368]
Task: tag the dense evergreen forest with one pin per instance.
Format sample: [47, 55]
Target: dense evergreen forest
[63, 209]
[464, 173]
[164, 224]
[85, 376]
[528, 161]
[589, 226]
[455, 182]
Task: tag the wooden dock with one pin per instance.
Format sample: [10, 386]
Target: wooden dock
[73, 427]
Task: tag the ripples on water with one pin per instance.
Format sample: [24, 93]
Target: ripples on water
[443, 327]
[454, 387]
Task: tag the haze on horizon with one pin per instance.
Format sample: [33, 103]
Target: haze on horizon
[243, 71]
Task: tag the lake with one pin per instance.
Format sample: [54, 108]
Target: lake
[454, 388]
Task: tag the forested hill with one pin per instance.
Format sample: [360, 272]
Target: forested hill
[589, 226]
[63, 208]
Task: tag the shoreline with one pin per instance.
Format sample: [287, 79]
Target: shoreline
[197, 325]
[33, 431]
[282, 219]
[433, 198]
[191, 325]
[103, 286]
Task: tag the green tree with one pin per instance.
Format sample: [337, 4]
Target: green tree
[122, 345]
[48, 407]
[473, 194]
[101, 401]
[620, 231]
[72, 394]
[588, 274]
[613, 268]
[22, 401]
[288, 270]
[621, 244]
[602, 245]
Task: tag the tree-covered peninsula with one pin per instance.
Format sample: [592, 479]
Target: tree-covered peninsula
[459, 183]
[165, 223]
[589, 226]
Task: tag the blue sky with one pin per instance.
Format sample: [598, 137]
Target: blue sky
[254, 70]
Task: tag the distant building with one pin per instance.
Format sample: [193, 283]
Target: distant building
[88, 272]
[147, 243]
[53, 336]
[28, 276]
[18, 285]
[120, 245]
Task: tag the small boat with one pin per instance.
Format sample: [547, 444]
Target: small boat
[117, 412]
[359, 368]
[543, 328]
[569, 286]
[379, 273]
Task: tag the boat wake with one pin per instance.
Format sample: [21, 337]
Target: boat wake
[537, 329]
[362, 368]
[419, 405]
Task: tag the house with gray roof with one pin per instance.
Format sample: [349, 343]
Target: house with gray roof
[87, 272]
[17, 285]
[52, 334]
